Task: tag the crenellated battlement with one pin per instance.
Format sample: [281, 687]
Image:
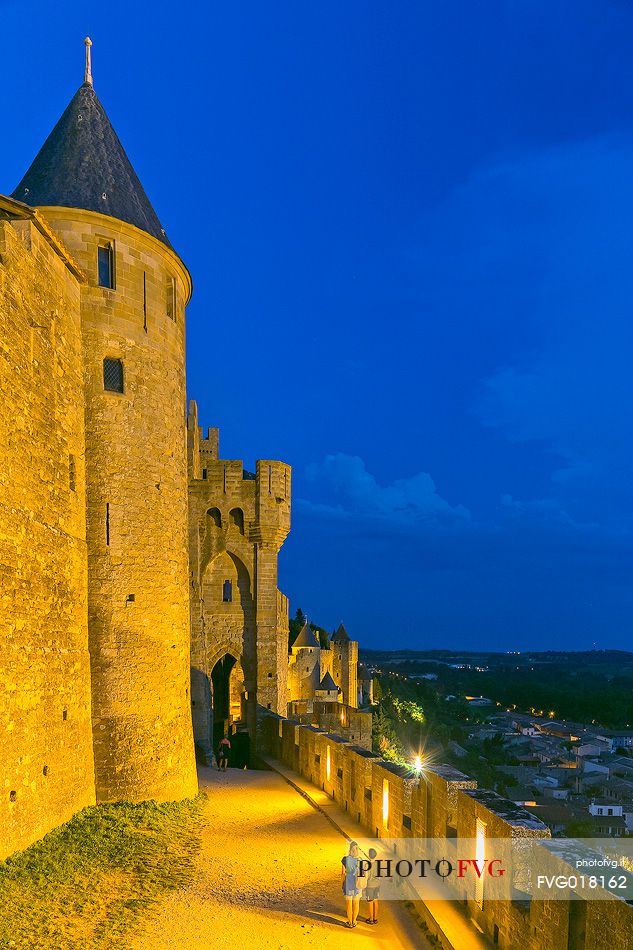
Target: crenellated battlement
[262, 496]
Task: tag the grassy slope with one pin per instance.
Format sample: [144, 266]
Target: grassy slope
[87, 884]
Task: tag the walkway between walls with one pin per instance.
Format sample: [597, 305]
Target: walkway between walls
[444, 919]
[268, 879]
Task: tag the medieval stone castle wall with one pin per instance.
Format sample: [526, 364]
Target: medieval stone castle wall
[309, 663]
[95, 697]
[45, 720]
[138, 569]
[136, 492]
[388, 802]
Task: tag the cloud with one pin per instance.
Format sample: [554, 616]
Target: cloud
[541, 245]
[575, 392]
[523, 292]
[347, 491]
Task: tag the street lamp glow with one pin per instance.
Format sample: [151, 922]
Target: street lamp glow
[417, 763]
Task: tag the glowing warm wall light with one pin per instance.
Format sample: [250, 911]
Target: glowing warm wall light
[417, 763]
[385, 803]
[480, 854]
[327, 764]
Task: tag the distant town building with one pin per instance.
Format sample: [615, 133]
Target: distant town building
[616, 738]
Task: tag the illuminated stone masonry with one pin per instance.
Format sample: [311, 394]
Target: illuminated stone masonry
[238, 521]
[95, 661]
[389, 801]
[139, 569]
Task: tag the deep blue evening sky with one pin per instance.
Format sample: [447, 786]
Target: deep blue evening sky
[410, 230]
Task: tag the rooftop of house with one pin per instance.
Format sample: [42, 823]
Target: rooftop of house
[622, 786]
[553, 812]
[521, 793]
[610, 821]
[612, 761]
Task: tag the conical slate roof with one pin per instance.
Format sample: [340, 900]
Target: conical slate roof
[82, 164]
[327, 682]
[306, 638]
[341, 635]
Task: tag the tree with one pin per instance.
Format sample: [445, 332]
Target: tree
[580, 828]
[295, 625]
[321, 634]
[384, 736]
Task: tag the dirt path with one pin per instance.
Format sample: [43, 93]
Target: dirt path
[269, 877]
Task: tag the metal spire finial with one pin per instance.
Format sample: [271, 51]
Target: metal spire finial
[88, 72]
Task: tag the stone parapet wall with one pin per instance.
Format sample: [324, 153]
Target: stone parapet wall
[353, 725]
[444, 803]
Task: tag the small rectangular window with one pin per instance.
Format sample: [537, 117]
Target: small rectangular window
[113, 375]
[227, 592]
[105, 259]
[171, 298]
[72, 473]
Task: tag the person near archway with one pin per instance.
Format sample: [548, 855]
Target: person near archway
[224, 750]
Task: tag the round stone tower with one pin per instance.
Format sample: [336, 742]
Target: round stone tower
[133, 332]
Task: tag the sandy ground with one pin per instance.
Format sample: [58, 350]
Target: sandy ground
[269, 877]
